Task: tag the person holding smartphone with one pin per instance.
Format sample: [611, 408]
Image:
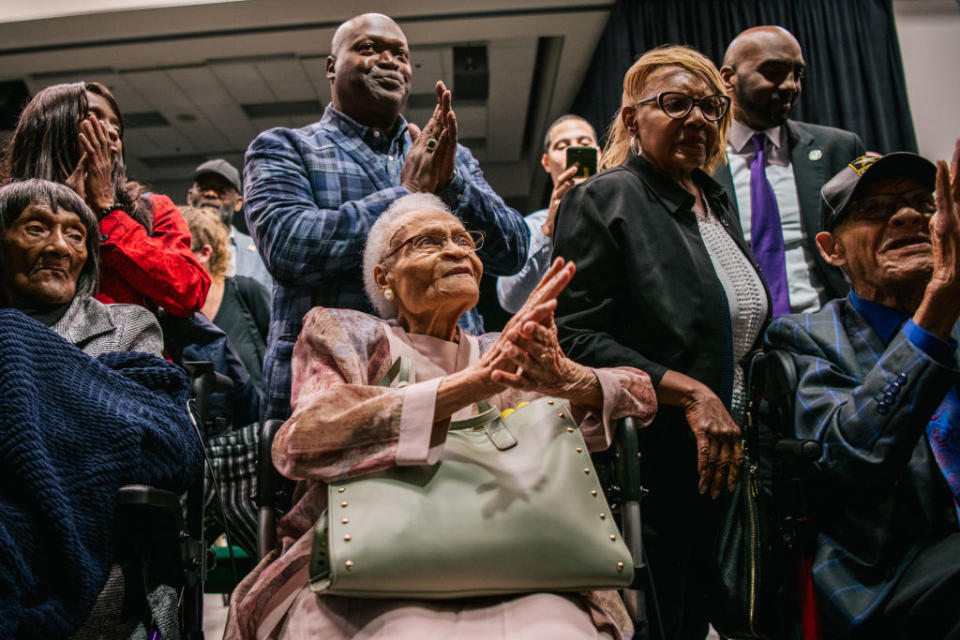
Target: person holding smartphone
[570, 155]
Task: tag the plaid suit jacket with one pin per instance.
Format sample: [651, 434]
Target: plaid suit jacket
[878, 491]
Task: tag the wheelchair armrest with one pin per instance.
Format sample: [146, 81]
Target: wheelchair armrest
[627, 456]
[627, 473]
[146, 514]
[271, 493]
[204, 381]
[141, 495]
[779, 385]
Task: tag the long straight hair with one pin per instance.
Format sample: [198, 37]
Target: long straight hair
[634, 84]
[46, 144]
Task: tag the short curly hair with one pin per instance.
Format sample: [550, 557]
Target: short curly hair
[378, 244]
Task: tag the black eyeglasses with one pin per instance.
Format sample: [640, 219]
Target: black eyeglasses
[679, 105]
[882, 208]
[435, 242]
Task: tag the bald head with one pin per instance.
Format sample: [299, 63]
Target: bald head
[762, 70]
[751, 42]
[344, 30]
[369, 70]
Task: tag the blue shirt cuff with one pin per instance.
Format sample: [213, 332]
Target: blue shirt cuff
[452, 194]
[936, 348]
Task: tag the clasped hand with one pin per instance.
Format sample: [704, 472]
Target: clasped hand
[430, 162]
[527, 355]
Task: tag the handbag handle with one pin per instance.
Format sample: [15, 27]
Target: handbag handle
[486, 416]
[399, 369]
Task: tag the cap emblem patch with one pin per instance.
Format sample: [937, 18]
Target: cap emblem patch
[861, 164]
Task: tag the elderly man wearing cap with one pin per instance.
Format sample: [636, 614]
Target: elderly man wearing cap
[878, 379]
[216, 184]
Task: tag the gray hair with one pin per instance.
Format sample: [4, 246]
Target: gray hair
[378, 244]
[16, 196]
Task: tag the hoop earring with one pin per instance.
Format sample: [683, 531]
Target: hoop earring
[634, 144]
[388, 294]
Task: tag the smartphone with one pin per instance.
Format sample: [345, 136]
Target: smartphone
[586, 157]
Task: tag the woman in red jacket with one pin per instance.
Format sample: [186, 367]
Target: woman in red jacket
[73, 134]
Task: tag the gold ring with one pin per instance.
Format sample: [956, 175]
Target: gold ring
[543, 356]
[431, 144]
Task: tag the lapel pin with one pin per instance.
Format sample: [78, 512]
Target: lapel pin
[815, 154]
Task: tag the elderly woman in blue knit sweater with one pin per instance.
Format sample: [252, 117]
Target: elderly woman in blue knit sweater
[80, 417]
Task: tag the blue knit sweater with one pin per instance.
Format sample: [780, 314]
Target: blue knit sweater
[73, 429]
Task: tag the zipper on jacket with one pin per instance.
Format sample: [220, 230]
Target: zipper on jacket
[752, 508]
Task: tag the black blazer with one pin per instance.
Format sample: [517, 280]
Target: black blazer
[817, 153]
[645, 293]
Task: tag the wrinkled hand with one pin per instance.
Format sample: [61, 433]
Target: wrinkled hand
[940, 306]
[542, 366]
[538, 310]
[427, 170]
[719, 445]
[945, 224]
[531, 346]
[98, 164]
[565, 182]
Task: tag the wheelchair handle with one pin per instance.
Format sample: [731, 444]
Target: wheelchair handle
[796, 450]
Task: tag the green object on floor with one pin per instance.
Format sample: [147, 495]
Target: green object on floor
[221, 578]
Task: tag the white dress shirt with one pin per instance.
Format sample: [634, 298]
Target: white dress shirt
[805, 292]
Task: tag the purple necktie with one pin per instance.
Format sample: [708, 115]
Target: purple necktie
[766, 234]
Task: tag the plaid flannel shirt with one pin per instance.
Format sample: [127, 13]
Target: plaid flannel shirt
[311, 196]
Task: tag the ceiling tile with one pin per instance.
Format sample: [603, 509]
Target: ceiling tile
[287, 80]
[315, 71]
[243, 81]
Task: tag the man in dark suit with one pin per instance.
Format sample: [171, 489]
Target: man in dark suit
[769, 154]
[878, 378]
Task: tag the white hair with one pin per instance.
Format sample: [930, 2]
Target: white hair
[378, 243]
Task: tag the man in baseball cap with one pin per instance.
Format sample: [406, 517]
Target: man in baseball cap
[216, 184]
[877, 387]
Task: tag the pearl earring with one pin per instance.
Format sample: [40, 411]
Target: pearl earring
[388, 294]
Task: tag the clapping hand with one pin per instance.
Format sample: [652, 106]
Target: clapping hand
[538, 309]
[945, 224]
[532, 358]
[940, 306]
[430, 162]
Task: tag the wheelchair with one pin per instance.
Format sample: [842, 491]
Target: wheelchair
[161, 542]
[620, 478]
[785, 472]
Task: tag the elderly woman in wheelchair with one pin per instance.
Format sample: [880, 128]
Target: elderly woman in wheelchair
[86, 406]
[382, 401]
